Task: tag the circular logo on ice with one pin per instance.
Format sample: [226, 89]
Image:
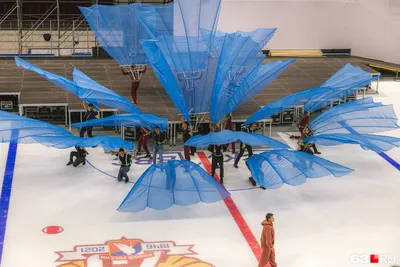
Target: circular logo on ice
[131, 253]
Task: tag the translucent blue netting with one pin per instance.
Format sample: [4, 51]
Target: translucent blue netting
[362, 116]
[14, 128]
[285, 103]
[148, 121]
[181, 18]
[203, 69]
[62, 142]
[343, 83]
[377, 143]
[92, 93]
[118, 30]
[172, 183]
[95, 92]
[227, 136]
[277, 167]
[23, 127]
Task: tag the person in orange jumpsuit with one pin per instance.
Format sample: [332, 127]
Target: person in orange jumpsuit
[267, 242]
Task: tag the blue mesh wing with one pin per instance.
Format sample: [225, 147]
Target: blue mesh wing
[148, 121]
[119, 31]
[285, 103]
[344, 83]
[362, 116]
[227, 136]
[68, 141]
[277, 167]
[377, 143]
[93, 91]
[15, 126]
[172, 183]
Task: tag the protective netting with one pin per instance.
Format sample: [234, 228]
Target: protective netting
[148, 121]
[200, 68]
[277, 167]
[362, 116]
[173, 183]
[90, 91]
[15, 128]
[344, 83]
[118, 30]
[377, 143]
[227, 137]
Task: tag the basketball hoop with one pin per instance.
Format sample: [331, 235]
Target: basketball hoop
[134, 71]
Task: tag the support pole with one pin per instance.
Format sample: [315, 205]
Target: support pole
[58, 27]
[19, 24]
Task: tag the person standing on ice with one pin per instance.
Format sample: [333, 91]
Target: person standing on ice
[305, 131]
[80, 155]
[144, 137]
[217, 160]
[187, 134]
[90, 114]
[249, 148]
[229, 126]
[125, 161]
[267, 242]
[159, 141]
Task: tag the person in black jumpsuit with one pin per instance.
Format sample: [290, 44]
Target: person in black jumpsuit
[217, 160]
[80, 155]
[89, 115]
[249, 148]
[125, 161]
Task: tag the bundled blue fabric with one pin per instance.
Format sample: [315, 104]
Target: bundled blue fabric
[277, 167]
[344, 83]
[118, 30]
[361, 116]
[25, 130]
[377, 143]
[203, 69]
[227, 137]
[148, 121]
[90, 92]
[172, 183]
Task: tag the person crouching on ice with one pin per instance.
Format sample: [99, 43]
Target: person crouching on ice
[125, 161]
[80, 155]
[217, 160]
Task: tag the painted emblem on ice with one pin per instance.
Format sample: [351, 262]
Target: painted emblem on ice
[131, 253]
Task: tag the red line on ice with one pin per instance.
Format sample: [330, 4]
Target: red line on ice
[237, 216]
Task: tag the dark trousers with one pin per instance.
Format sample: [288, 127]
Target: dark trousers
[123, 173]
[78, 160]
[192, 150]
[249, 149]
[134, 89]
[217, 161]
[186, 150]
[143, 141]
[87, 129]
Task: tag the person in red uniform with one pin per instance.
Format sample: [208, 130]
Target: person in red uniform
[268, 242]
[134, 89]
[229, 126]
[144, 137]
[187, 134]
[303, 125]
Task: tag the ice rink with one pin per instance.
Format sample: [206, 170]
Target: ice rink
[324, 222]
